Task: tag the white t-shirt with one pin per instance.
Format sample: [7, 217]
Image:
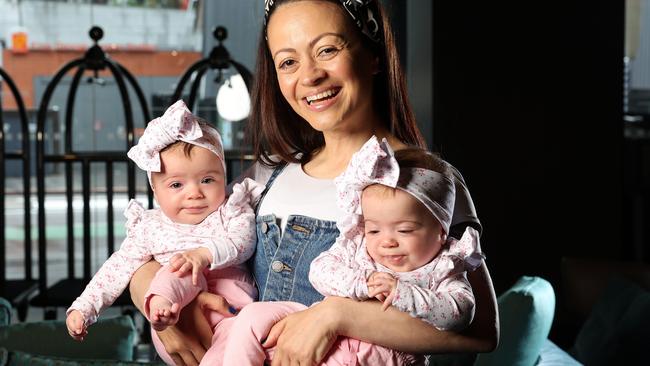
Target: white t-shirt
[296, 193]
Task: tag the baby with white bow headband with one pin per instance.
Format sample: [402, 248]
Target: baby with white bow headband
[201, 239]
[394, 243]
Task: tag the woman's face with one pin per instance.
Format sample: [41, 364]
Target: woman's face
[323, 70]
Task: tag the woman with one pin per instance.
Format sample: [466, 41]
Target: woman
[328, 78]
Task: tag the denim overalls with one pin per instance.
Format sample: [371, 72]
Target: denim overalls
[281, 264]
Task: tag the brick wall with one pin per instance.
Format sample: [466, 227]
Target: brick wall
[23, 68]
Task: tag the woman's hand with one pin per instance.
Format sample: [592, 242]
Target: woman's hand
[305, 337]
[181, 343]
[187, 341]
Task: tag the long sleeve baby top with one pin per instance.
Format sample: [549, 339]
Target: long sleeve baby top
[228, 233]
[438, 292]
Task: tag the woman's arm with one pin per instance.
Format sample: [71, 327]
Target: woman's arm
[307, 336]
[485, 327]
[187, 341]
[398, 330]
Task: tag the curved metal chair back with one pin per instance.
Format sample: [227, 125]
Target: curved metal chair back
[16, 291]
[219, 60]
[62, 293]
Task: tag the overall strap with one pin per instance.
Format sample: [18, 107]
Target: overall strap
[269, 183]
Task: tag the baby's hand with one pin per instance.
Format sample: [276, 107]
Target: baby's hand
[76, 326]
[194, 260]
[382, 285]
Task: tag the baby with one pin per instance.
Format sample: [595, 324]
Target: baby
[201, 239]
[393, 246]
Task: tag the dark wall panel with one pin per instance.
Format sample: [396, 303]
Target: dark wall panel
[528, 105]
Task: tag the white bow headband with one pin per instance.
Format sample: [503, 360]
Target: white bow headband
[176, 124]
[375, 163]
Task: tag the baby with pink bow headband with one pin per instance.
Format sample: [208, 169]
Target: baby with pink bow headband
[393, 246]
[200, 238]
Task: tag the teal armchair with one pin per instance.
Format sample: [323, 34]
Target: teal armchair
[109, 342]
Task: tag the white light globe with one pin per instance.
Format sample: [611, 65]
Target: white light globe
[233, 100]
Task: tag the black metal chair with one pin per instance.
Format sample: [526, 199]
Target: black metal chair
[16, 291]
[218, 60]
[63, 292]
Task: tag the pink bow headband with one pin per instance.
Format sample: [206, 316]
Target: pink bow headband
[176, 124]
[375, 163]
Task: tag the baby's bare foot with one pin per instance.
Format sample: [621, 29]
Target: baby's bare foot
[162, 313]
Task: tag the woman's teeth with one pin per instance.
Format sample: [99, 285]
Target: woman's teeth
[323, 95]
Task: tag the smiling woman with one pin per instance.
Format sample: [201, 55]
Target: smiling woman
[328, 78]
[314, 54]
[324, 71]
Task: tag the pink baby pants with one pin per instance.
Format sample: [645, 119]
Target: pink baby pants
[240, 341]
[235, 284]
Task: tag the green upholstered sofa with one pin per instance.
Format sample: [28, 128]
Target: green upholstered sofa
[110, 342]
[609, 301]
[526, 313]
[600, 318]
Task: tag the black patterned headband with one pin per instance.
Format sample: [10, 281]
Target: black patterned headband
[359, 10]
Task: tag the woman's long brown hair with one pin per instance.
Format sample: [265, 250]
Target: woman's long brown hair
[276, 129]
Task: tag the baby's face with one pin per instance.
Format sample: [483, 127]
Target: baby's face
[189, 189]
[400, 232]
